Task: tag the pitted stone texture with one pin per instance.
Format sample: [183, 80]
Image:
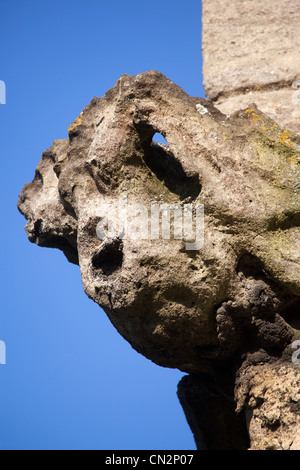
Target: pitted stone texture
[160, 296]
[199, 311]
[270, 394]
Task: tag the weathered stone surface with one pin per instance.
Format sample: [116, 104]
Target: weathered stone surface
[200, 311]
[251, 54]
[270, 394]
[249, 43]
[282, 105]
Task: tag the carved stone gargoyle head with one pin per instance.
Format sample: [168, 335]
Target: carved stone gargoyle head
[238, 288]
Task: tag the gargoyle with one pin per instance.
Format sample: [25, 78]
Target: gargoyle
[229, 303]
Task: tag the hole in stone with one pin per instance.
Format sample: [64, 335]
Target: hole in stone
[108, 258]
[161, 161]
[37, 227]
[159, 138]
[251, 266]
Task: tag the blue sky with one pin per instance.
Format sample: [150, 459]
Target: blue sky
[71, 381]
